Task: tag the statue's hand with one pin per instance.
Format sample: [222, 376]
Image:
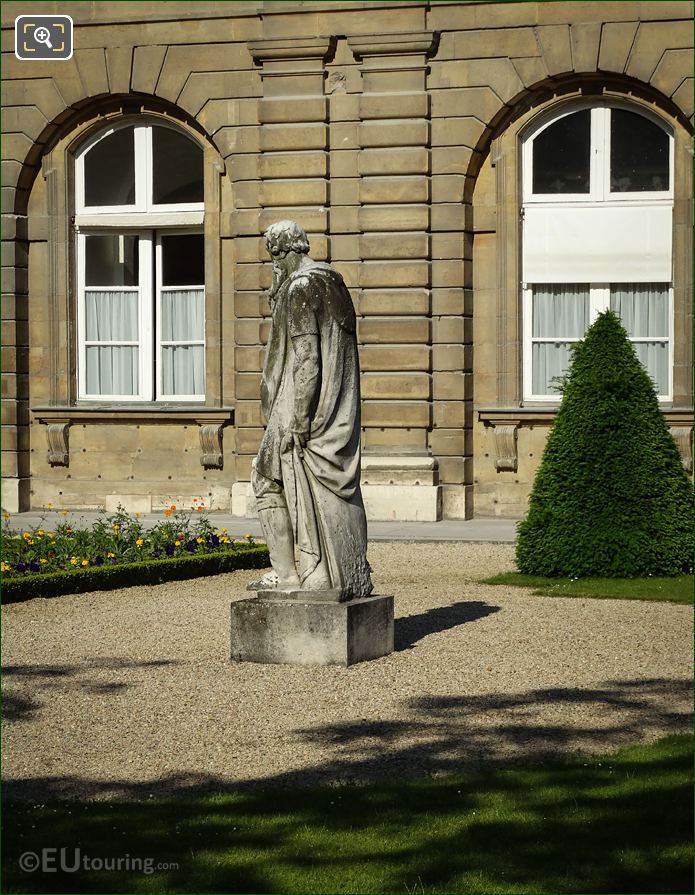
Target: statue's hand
[294, 438]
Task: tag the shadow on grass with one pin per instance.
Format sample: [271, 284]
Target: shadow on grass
[412, 628]
[524, 823]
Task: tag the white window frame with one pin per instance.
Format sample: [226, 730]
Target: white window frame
[144, 290]
[599, 196]
[140, 219]
[143, 204]
[599, 171]
[599, 301]
[158, 317]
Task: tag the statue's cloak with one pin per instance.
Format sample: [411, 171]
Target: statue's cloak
[321, 481]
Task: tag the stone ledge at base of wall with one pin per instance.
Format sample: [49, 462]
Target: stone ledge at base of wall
[382, 503]
[15, 495]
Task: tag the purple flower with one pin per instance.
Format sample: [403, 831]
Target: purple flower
[191, 546]
[34, 567]
[21, 567]
[169, 550]
[112, 559]
[214, 540]
[98, 560]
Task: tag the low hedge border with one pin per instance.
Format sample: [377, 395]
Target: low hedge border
[156, 571]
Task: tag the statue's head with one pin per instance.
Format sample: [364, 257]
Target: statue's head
[284, 237]
[287, 244]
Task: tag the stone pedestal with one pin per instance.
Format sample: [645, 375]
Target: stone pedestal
[310, 629]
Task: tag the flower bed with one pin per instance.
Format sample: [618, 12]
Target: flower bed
[118, 552]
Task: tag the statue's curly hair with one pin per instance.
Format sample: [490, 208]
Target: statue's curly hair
[288, 236]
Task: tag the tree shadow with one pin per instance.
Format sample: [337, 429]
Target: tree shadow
[523, 821]
[41, 678]
[409, 629]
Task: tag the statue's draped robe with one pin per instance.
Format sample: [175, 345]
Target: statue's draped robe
[321, 482]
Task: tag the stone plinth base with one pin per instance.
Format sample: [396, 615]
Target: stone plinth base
[308, 630]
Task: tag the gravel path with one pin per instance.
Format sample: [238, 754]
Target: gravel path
[130, 693]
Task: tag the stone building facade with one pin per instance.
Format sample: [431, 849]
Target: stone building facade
[451, 159]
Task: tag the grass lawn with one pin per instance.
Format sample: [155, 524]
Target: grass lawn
[672, 590]
[618, 823]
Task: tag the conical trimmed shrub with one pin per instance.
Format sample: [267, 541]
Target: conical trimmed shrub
[611, 498]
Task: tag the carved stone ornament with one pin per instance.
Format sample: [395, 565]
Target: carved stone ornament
[683, 436]
[58, 447]
[211, 456]
[506, 457]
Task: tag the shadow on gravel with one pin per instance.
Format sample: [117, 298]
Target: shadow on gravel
[412, 628]
[41, 679]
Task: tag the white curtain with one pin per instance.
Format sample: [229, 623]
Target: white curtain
[183, 320]
[558, 312]
[644, 311]
[183, 315]
[642, 307]
[111, 316]
[112, 370]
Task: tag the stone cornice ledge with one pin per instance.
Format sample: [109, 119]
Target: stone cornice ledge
[545, 415]
[133, 413]
[277, 48]
[403, 43]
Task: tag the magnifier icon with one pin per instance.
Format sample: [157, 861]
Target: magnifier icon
[43, 36]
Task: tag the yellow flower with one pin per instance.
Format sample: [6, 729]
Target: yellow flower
[49, 535]
[115, 526]
[110, 555]
[225, 540]
[73, 561]
[40, 532]
[50, 505]
[64, 513]
[85, 562]
[200, 540]
[177, 543]
[248, 536]
[224, 530]
[26, 535]
[139, 542]
[43, 561]
[30, 541]
[5, 567]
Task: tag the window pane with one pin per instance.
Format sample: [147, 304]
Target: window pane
[111, 260]
[560, 311]
[178, 168]
[109, 170]
[183, 315]
[561, 155]
[654, 358]
[642, 308]
[183, 370]
[183, 260]
[549, 359]
[111, 316]
[112, 370]
[639, 154]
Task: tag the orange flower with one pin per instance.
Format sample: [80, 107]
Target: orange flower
[167, 513]
[200, 509]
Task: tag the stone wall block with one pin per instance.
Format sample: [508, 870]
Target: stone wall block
[394, 358]
[279, 138]
[394, 133]
[616, 40]
[396, 414]
[393, 217]
[397, 190]
[393, 105]
[394, 274]
[403, 386]
[554, 44]
[393, 245]
[404, 160]
[585, 38]
[390, 330]
[376, 302]
[147, 65]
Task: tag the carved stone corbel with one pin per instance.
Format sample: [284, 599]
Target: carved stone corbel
[506, 456]
[211, 456]
[683, 436]
[58, 444]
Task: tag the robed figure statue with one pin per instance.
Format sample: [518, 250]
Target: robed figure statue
[306, 477]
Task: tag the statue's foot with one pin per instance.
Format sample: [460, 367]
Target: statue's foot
[271, 581]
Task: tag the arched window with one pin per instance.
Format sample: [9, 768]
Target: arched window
[140, 265]
[597, 222]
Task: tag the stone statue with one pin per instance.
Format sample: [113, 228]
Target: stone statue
[306, 476]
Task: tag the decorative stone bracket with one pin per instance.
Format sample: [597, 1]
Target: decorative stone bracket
[211, 456]
[57, 435]
[210, 420]
[683, 436]
[506, 455]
